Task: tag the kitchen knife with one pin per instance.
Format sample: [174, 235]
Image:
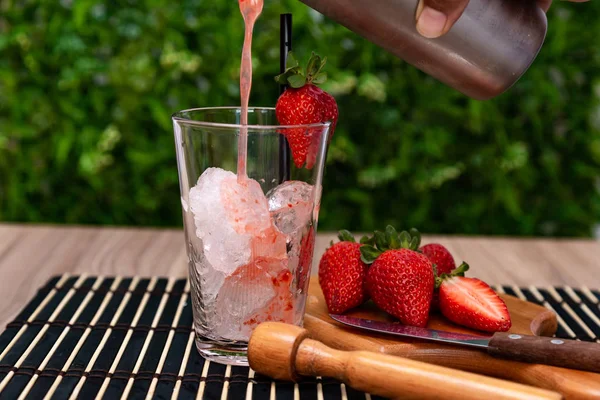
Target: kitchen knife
[532, 349]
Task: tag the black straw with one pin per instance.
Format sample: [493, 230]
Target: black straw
[285, 46]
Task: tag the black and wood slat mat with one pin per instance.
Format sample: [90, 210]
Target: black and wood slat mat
[86, 337]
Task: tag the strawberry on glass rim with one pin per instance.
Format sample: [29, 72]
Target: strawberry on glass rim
[303, 103]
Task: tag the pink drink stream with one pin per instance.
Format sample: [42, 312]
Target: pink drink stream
[250, 9]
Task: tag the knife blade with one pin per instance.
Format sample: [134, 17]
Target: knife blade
[533, 349]
[397, 329]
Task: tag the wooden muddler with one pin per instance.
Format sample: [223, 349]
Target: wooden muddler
[283, 351]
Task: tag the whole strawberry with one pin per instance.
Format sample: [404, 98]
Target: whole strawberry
[444, 264]
[400, 279]
[342, 275]
[440, 256]
[305, 103]
[472, 303]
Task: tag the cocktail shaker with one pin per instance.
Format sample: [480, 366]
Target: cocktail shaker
[488, 49]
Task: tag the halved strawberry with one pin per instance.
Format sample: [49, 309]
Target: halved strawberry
[473, 303]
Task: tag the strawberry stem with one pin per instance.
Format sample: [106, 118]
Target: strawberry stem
[370, 240]
[368, 254]
[459, 271]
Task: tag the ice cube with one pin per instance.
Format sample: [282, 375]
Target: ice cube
[254, 293]
[227, 215]
[245, 205]
[291, 205]
[271, 244]
[208, 279]
[206, 283]
[243, 269]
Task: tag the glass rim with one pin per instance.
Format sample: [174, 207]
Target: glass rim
[179, 118]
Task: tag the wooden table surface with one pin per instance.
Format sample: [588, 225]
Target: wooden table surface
[30, 255]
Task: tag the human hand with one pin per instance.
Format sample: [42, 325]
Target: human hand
[436, 17]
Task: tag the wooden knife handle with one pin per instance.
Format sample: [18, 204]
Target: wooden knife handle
[284, 351]
[549, 351]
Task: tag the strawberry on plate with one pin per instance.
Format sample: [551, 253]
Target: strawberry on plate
[342, 275]
[400, 279]
[473, 303]
[303, 103]
[443, 263]
[440, 256]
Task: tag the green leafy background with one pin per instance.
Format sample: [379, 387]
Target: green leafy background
[87, 89]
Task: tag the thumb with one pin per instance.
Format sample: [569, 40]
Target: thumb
[436, 17]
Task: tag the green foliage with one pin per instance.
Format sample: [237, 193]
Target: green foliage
[87, 89]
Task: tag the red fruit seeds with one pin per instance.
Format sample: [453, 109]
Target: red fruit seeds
[330, 111]
[342, 277]
[440, 256]
[401, 283]
[400, 280]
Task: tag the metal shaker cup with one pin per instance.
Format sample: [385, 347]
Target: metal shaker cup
[488, 49]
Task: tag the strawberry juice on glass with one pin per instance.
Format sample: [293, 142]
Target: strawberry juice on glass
[249, 236]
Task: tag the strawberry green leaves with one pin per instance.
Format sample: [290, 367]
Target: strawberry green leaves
[392, 237]
[346, 236]
[296, 81]
[380, 242]
[368, 254]
[291, 61]
[315, 65]
[292, 73]
[296, 77]
[410, 240]
[320, 78]
[368, 240]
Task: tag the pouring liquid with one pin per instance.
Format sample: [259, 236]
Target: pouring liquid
[250, 9]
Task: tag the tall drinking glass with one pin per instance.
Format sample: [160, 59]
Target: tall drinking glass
[249, 240]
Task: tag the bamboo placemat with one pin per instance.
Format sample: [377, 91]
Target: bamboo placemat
[97, 337]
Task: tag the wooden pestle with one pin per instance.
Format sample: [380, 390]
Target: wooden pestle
[283, 351]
